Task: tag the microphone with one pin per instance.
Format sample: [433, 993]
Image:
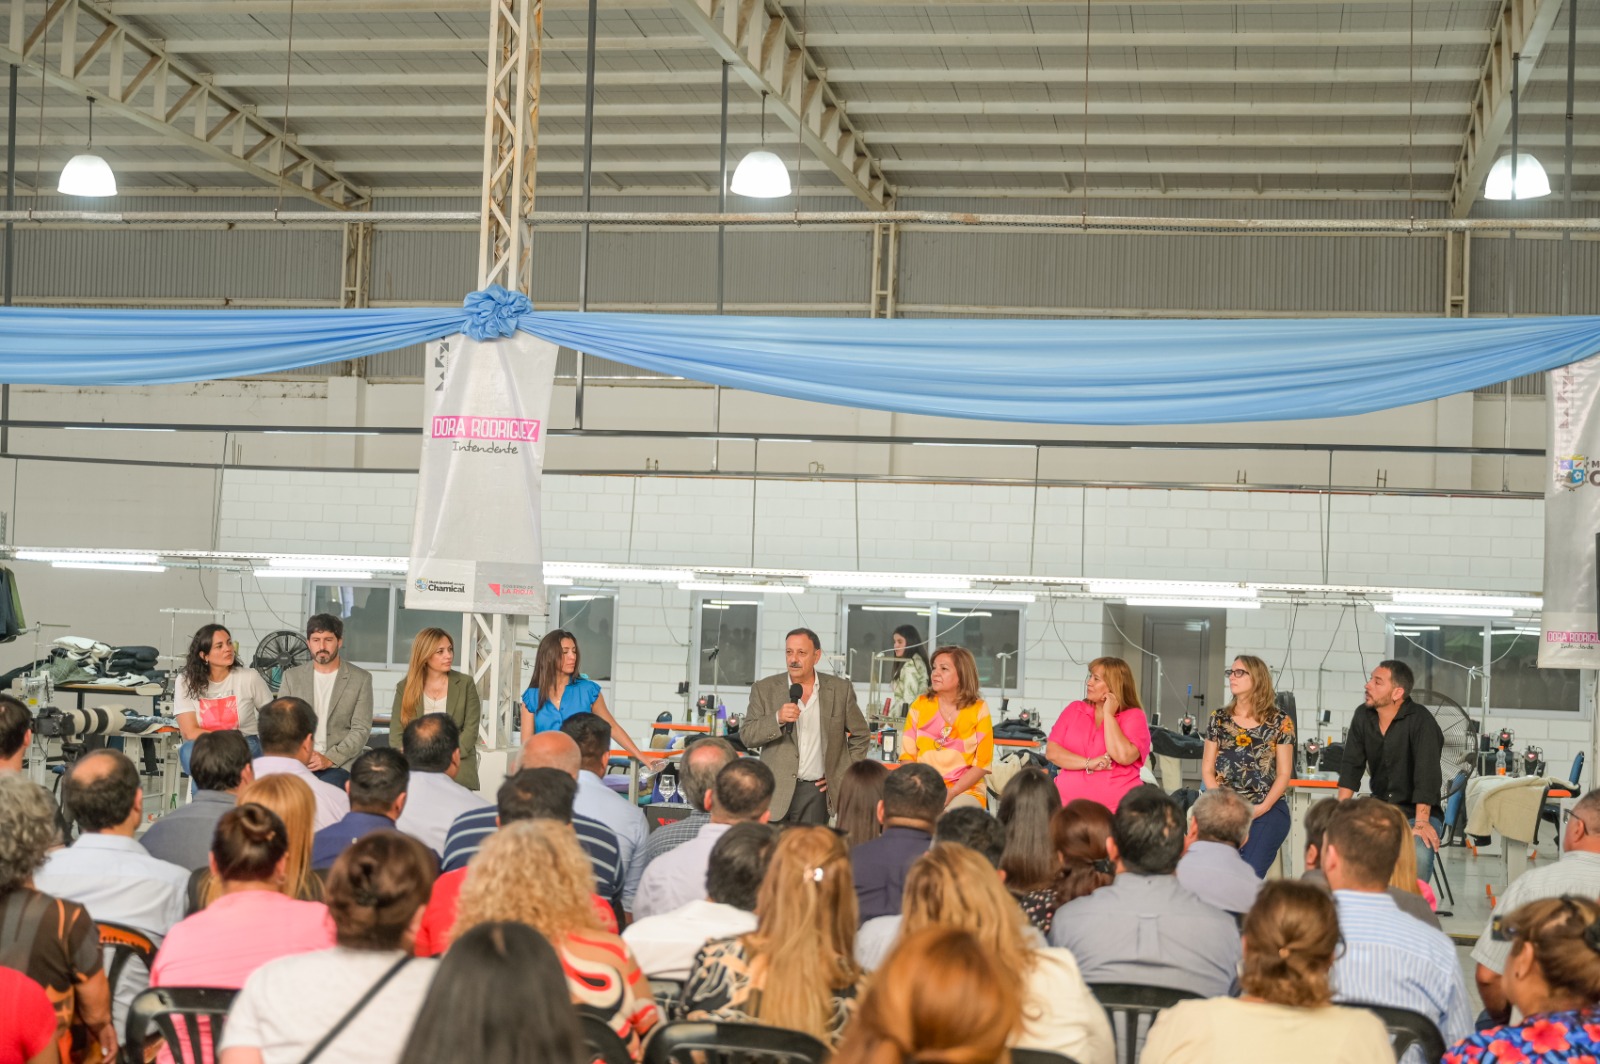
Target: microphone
[795, 693]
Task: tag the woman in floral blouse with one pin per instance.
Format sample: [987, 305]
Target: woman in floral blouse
[1552, 976]
[1250, 751]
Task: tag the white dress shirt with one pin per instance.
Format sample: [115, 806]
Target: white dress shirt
[678, 876]
[433, 801]
[665, 944]
[598, 802]
[118, 882]
[322, 698]
[332, 803]
[808, 734]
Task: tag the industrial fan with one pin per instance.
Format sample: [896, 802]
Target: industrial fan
[277, 653]
[1460, 749]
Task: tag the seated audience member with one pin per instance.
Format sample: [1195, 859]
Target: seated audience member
[1146, 927]
[219, 765]
[742, 794]
[1389, 958]
[1405, 878]
[16, 733]
[534, 873]
[369, 981]
[966, 826]
[1080, 832]
[859, 794]
[797, 969]
[665, 945]
[251, 921]
[288, 727]
[51, 941]
[1030, 863]
[913, 797]
[532, 794]
[951, 886]
[27, 1021]
[1576, 873]
[106, 871]
[545, 750]
[907, 1016]
[500, 998]
[432, 747]
[1286, 1012]
[1212, 868]
[291, 800]
[1315, 824]
[379, 788]
[702, 760]
[599, 802]
[1552, 977]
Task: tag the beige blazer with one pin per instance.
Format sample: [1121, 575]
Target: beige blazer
[349, 708]
[845, 734]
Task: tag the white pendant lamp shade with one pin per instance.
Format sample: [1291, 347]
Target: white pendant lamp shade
[87, 175]
[760, 175]
[1532, 182]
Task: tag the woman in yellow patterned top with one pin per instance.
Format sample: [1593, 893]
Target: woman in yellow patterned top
[949, 729]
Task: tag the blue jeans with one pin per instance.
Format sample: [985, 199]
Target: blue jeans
[1425, 854]
[1267, 833]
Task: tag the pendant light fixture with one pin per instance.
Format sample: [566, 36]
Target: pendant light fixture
[1517, 176]
[761, 174]
[87, 174]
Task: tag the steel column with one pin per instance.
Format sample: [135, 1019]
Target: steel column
[510, 143]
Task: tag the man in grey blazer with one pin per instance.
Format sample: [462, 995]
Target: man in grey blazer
[807, 742]
[340, 693]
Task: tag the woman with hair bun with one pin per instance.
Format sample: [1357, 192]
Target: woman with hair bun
[1286, 1010]
[908, 1015]
[358, 1000]
[1079, 831]
[1552, 976]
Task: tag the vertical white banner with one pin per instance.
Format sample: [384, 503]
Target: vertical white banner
[1570, 639]
[476, 544]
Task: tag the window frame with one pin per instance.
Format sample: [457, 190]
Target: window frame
[394, 587]
[591, 591]
[697, 608]
[937, 610]
[1585, 707]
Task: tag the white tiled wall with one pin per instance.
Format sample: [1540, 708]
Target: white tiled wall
[1136, 533]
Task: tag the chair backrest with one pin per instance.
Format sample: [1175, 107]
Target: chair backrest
[167, 1007]
[668, 993]
[126, 944]
[1132, 1008]
[602, 1041]
[719, 1043]
[1039, 1056]
[1407, 1029]
[1576, 779]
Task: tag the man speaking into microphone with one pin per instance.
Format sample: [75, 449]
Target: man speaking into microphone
[808, 728]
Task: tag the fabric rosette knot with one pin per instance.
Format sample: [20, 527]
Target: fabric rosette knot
[494, 311]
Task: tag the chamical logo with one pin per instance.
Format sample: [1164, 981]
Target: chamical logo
[422, 585]
[1573, 471]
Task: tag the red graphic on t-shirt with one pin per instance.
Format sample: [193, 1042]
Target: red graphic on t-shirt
[219, 714]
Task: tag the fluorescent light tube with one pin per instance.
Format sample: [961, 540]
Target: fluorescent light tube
[1200, 603]
[898, 581]
[972, 596]
[742, 589]
[1446, 611]
[339, 563]
[313, 574]
[1514, 602]
[558, 581]
[612, 572]
[121, 567]
[1170, 589]
[109, 557]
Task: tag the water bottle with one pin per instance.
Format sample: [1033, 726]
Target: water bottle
[1500, 761]
[719, 723]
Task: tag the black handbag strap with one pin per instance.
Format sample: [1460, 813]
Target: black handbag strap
[355, 1010]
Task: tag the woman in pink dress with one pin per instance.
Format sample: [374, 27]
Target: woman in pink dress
[1101, 742]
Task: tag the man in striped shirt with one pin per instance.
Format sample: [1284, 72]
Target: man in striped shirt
[545, 750]
[1577, 873]
[1389, 958]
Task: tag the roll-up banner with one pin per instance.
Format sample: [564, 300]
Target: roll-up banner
[1571, 632]
[476, 543]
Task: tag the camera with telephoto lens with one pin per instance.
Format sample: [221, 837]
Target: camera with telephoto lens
[51, 722]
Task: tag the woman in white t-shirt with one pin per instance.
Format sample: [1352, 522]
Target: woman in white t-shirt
[214, 692]
[291, 1006]
[1286, 1012]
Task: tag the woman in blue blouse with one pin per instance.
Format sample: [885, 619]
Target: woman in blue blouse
[558, 690]
[1552, 976]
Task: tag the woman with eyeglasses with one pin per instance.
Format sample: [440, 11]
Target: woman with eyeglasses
[1250, 751]
[1101, 741]
[1552, 976]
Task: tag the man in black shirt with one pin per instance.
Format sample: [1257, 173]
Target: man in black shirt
[1397, 742]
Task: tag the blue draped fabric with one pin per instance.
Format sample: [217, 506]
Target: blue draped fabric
[1124, 372]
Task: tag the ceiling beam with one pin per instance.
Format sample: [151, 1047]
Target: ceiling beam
[247, 8]
[1520, 30]
[760, 45]
[97, 56]
[474, 45]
